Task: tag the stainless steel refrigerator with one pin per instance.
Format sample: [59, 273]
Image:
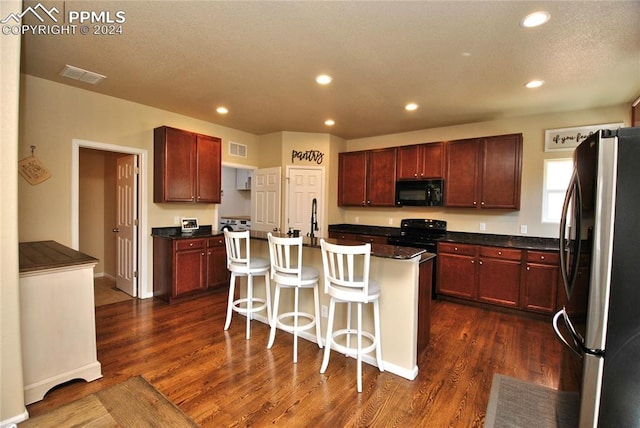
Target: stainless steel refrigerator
[600, 258]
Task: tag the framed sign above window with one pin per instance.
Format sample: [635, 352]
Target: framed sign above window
[567, 139]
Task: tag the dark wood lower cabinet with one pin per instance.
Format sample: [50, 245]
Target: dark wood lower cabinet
[521, 279]
[186, 267]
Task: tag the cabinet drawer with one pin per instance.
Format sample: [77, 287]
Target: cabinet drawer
[453, 248]
[218, 241]
[501, 253]
[546, 257]
[372, 239]
[341, 235]
[190, 244]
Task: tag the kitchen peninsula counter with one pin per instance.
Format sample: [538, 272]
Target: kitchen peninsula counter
[404, 275]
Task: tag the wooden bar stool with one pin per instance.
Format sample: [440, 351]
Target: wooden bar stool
[346, 280]
[240, 263]
[287, 271]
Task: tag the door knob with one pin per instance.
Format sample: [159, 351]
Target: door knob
[115, 229]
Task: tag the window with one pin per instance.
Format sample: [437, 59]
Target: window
[557, 173]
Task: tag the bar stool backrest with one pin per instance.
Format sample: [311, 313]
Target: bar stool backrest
[238, 249]
[286, 259]
[346, 270]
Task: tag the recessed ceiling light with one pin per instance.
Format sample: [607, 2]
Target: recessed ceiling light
[411, 107]
[222, 110]
[535, 19]
[534, 84]
[329, 122]
[467, 54]
[324, 79]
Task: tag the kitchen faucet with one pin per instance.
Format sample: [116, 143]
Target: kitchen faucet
[314, 218]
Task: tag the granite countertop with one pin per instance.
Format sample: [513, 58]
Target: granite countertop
[508, 241]
[176, 232]
[41, 255]
[377, 250]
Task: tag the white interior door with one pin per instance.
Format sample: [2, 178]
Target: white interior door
[126, 227]
[305, 184]
[266, 199]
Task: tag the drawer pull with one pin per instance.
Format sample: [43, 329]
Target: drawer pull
[499, 253]
[541, 257]
[191, 244]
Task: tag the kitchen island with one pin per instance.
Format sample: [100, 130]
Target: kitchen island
[404, 275]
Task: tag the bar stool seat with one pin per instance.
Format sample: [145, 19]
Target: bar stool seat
[240, 263]
[346, 280]
[288, 272]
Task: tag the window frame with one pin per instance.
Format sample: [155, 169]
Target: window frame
[546, 191]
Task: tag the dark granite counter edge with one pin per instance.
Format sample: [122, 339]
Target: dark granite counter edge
[176, 232]
[508, 241]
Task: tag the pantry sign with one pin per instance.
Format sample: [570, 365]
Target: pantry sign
[567, 139]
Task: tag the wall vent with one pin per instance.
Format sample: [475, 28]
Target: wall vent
[236, 149]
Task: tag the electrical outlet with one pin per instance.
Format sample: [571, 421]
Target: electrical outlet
[523, 228]
[357, 219]
[483, 226]
[390, 221]
[325, 311]
[176, 220]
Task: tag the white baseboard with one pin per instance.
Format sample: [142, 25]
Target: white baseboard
[13, 421]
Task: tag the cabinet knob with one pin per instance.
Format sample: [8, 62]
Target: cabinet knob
[499, 253]
[480, 262]
[455, 248]
[482, 203]
[541, 257]
[202, 254]
[475, 203]
[415, 175]
[528, 268]
[473, 262]
[191, 244]
[368, 202]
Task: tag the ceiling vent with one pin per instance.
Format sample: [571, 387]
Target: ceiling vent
[236, 149]
[82, 75]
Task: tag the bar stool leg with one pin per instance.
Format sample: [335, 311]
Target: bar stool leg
[267, 295]
[232, 288]
[359, 352]
[296, 292]
[249, 304]
[316, 299]
[327, 344]
[376, 320]
[274, 321]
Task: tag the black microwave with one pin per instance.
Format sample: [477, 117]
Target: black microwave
[427, 193]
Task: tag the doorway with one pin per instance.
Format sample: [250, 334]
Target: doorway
[95, 216]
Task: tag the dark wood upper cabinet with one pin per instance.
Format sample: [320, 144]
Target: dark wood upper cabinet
[367, 178]
[484, 172]
[187, 166]
[420, 161]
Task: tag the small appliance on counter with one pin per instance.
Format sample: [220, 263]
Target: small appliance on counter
[189, 225]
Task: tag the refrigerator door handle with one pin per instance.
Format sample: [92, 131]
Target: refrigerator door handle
[574, 346]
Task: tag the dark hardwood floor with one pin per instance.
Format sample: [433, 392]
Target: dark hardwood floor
[220, 379]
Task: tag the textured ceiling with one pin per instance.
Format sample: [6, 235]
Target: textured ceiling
[259, 59]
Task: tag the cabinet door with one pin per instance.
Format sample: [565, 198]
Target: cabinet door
[501, 172]
[431, 160]
[189, 271]
[408, 162]
[217, 273]
[352, 179]
[499, 281]
[381, 178]
[208, 169]
[461, 176]
[456, 268]
[540, 288]
[174, 163]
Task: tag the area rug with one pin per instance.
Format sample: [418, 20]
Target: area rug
[133, 403]
[516, 403]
